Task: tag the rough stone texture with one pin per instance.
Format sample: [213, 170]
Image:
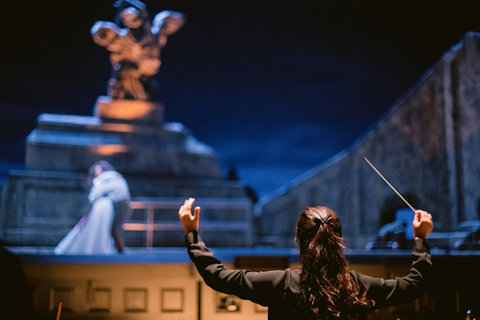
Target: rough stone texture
[426, 146]
[39, 205]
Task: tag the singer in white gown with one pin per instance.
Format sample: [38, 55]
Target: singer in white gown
[102, 227]
[91, 235]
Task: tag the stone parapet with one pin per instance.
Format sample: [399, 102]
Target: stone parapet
[40, 207]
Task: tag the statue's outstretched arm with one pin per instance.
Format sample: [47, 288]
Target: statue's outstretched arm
[166, 23]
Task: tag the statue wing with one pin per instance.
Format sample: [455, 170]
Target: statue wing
[166, 23]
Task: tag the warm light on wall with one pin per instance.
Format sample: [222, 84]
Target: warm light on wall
[108, 150]
[118, 127]
[130, 113]
[126, 109]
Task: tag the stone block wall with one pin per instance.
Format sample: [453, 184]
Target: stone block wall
[426, 145]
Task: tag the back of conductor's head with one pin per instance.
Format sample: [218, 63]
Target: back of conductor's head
[319, 233]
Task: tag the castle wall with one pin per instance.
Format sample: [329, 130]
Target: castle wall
[426, 147]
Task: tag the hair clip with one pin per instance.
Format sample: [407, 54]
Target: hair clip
[322, 221]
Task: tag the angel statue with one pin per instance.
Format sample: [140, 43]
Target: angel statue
[135, 43]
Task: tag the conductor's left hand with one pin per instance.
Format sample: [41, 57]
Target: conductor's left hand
[189, 222]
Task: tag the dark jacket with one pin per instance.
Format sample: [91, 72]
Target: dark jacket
[278, 289]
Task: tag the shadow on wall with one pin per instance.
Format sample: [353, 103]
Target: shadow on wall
[396, 230]
[392, 204]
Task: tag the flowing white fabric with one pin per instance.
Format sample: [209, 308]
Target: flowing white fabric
[91, 235]
[109, 183]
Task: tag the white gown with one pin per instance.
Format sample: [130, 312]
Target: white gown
[91, 235]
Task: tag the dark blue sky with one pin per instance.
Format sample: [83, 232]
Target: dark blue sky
[276, 87]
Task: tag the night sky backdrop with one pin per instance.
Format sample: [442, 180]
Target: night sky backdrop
[274, 86]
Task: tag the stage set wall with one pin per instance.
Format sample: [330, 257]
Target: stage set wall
[426, 145]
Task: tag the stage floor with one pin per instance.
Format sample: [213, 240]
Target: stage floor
[226, 255]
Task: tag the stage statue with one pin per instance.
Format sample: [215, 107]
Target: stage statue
[135, 42]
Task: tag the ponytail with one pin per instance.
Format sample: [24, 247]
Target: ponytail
[327, 291]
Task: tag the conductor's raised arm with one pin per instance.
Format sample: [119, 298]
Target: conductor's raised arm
[189, 222]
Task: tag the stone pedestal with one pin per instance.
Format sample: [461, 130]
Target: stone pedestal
[40, 204]
[128, 111]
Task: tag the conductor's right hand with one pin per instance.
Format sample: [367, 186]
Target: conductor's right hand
[189, 222]
[422, 224]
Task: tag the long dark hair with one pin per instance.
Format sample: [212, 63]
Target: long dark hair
[327, 290]
[105, 165]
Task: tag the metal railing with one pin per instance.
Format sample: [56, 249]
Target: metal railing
[149, 225]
